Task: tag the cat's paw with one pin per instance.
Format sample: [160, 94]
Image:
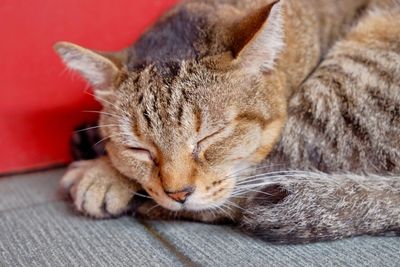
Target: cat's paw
[97, 189]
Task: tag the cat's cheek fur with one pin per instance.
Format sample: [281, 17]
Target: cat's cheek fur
[142, 172]
[270, 136]
[128, 165]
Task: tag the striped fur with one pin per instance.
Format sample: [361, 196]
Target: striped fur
[193, 106]
[344, 119]
[346, 116]
[200, 96]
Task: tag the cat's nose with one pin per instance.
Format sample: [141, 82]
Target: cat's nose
[181, 195]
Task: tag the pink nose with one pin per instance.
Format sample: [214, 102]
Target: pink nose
[182, 195]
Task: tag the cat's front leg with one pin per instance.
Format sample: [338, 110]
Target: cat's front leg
[98, 189]
[307, 207]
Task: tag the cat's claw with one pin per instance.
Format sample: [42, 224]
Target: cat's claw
[97, 189]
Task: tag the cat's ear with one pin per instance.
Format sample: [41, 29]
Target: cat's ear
[101, 70]
[259, 38]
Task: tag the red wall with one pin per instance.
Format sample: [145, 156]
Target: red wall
[41, 102]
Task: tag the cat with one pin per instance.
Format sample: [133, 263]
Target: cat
[201, 99]
[344, 120]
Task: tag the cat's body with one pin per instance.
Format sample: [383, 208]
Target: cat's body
[172, 88]
[346, 119]
[346, 116]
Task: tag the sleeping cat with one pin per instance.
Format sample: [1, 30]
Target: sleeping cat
[200, 100]
[343, 133]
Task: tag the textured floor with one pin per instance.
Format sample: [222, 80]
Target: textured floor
[38, 229]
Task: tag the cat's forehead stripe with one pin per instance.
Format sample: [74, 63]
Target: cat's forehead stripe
[163, 104]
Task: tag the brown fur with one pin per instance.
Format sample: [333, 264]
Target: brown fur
[197, 103]
[343, 119]
[187, 71]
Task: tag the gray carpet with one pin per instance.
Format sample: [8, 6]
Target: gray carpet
[38, 229]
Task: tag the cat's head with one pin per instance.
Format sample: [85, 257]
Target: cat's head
[185, 130]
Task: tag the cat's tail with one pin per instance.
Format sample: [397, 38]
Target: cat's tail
[302, 207]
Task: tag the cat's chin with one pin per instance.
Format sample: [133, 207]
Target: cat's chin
[190, 205]
[202, 206]
[197, 207]
[171, 205]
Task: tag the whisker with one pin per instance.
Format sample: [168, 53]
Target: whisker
[243, 197]
[255, 168]
[104, 100]
[152, 208]
[233, 204]
[108, 137]
[252, 181]
[238, 196]
[273, 174]
[101, 140]
[255, 191]
[95, 127]
[228, 207]
[141, 195]
[105, 113]
[258, 167]
[232, 175]
[266, 174]
[239, 193]
[212, 212]
[226, 213]
[250, 186]
[293, 178]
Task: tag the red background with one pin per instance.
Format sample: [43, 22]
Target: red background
[41, 102]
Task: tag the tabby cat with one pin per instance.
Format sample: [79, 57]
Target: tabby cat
[193, 108]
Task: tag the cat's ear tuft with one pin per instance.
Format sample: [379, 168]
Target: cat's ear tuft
[259, 38]
[99, 70]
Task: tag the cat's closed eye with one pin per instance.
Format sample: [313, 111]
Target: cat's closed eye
[204, 142]
[142, 154]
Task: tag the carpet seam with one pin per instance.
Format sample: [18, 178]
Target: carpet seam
[185, 260]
